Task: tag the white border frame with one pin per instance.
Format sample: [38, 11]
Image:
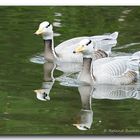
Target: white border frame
[70, 2]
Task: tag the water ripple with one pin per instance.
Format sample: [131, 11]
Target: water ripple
[57, 14]
[126, 46]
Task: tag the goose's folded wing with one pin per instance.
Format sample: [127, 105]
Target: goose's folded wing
[108, 36]
[110, 66]
[115, 71]
[106, 60]
[105, 42]
[100, 41]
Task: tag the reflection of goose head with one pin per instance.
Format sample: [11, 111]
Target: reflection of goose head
[85, 120]
[42, 94]
[81, 126]
[46, 30]
[85, 117]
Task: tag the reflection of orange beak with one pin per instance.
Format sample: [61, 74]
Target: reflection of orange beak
[36, 90]
[75, 124]
[39, 31]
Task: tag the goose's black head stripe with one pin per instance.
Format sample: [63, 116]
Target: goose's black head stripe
[88, 42]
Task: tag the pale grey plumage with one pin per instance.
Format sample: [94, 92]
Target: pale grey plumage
[117, 70]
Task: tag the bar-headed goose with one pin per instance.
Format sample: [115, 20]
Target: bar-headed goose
[121, 70]
[64, 51]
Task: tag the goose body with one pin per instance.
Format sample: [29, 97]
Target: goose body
[121, 70]
[116, 71]
[64, 51]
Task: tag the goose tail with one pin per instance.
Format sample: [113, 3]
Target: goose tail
[136, 54]
[134, 62]
[114, 35]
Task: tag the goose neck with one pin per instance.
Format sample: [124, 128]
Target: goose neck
[87, 64]
[85, 75]
[49, 52]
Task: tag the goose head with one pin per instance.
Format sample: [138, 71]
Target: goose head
[85, 120]
[46, 30]
[85, 46]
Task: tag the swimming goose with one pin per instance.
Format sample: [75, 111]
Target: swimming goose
[121, 70]
[69, 78]
[64, 51]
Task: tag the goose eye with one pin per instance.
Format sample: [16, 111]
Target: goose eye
[48, 25]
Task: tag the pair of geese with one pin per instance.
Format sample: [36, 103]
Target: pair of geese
[93, 52]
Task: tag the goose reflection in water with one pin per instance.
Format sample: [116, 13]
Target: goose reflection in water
[85, 116]
[117, 92]
[43, 93]
[88, 93]
[69, 78]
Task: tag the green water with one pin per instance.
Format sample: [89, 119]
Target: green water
[20, 111]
